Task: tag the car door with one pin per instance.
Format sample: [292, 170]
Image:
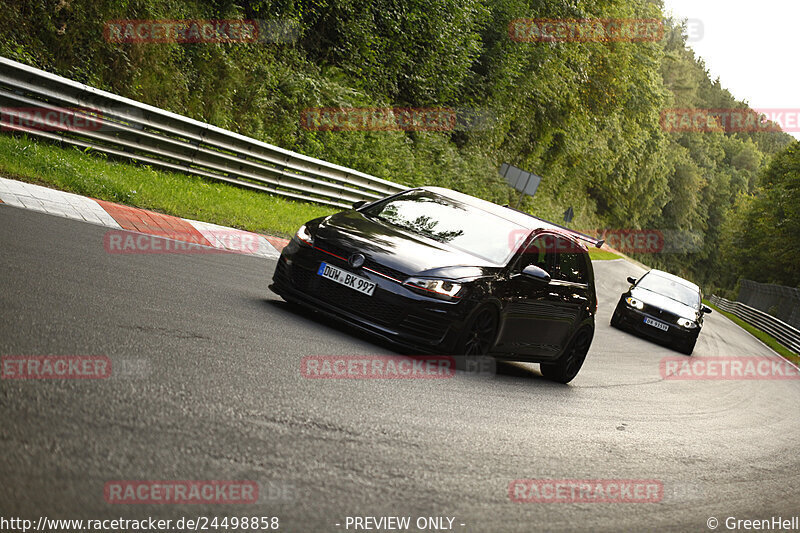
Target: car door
[570, 281]
[531, 308]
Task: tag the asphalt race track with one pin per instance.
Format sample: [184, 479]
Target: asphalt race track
[218, 395]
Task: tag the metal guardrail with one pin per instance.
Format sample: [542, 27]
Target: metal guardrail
[780, 301]
[783, 332]
[123, 127]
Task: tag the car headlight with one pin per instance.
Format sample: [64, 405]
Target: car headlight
[435, 288]
[633, 302]
[303, 235]
[686, 323]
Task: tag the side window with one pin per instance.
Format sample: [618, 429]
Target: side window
[571, 263]
[537, 253]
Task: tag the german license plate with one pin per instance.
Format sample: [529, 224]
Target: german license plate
[343, 277]
[656, 324]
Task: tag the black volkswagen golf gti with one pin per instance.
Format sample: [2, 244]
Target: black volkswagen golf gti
[439, 271]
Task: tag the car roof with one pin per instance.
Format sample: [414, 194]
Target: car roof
[673, 277]
[522, 219]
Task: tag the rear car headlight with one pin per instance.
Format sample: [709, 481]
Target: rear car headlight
[435, 288]
[633, 302]
[685, 322]
[303, 235]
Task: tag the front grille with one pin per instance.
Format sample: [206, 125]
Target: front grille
[302, 278]
[665, 316]
[280, 275]
[427, 326]
[378, 308]
[383, 308]
[383, 269]
[374, 308]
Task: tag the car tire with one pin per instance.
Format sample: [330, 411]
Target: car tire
[571, 361]
[479, 335]
[616, 318]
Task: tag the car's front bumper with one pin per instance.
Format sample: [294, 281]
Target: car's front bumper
[393, 311]
[634, 319]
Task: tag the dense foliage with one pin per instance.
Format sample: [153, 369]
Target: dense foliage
[583, 115]
[764, 238]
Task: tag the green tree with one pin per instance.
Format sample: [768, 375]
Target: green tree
[762, 233]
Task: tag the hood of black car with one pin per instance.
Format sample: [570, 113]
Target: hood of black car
[351, 231]
[662, 302]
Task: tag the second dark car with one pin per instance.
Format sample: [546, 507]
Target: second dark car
[664, 307]
[443, 272]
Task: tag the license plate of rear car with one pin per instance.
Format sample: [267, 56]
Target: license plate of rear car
[343, 277]
[656, 324]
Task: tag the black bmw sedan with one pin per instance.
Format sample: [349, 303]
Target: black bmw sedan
[664, 307]
[438, 271]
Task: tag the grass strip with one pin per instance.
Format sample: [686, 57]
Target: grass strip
[92, 174]
[597, 254]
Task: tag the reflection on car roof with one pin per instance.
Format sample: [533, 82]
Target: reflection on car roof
[522, 219]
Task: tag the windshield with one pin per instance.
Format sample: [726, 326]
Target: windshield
[462, 226]
[671, 289]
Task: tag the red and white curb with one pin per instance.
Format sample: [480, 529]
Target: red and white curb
[122, 217]
[54, 202]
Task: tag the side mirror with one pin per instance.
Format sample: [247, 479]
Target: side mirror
[631, 280]
[535, 273]
[706, 309]
[360, 203]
